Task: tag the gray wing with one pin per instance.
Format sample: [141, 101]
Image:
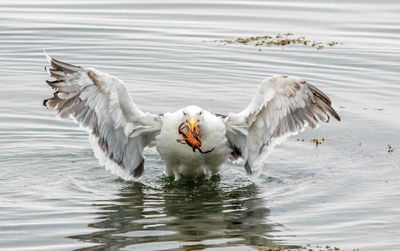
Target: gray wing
[282, 106]
[100, 102]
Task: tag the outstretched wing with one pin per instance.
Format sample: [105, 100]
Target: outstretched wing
[282, 106]
[100, 102]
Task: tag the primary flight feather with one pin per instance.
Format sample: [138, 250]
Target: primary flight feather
[119, 131]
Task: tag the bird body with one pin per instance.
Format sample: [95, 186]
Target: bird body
[119, 131]
[179, 158]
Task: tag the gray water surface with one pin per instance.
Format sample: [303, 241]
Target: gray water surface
[344, 193]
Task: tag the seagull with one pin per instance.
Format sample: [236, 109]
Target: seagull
[119, 131]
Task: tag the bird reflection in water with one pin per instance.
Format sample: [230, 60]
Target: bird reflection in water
[195, 215]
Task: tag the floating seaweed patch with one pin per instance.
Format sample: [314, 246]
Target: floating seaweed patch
[316, 141]
[277, 40]
[307, 247]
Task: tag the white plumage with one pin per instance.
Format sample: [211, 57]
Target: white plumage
[119, 130]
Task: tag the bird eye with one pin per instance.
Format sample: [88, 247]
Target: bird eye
[201, 113]
[184, 113]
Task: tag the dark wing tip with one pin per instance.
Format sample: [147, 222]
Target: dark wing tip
[62, 66]
[318, 94]
[334, 114]
[247, 167]
[45, 102]
[139, 170]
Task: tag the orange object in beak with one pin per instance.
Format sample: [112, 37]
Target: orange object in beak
[191, 138]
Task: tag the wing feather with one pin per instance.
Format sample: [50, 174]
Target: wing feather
[101, 103]
[283, 106]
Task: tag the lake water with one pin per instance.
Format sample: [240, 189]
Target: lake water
[343, 193]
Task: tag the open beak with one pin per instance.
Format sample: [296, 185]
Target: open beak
[192, 123]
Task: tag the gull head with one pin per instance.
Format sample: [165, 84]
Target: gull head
[192, 115]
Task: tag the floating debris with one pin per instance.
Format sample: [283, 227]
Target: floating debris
[277, 40]
[308, 247]
[390, 148]
[318, 142]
